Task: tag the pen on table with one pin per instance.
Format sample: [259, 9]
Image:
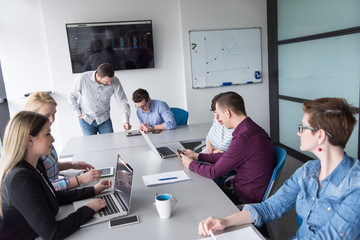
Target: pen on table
[169, 178]
[212, 235]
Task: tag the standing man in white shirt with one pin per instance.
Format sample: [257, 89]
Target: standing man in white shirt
[90, 99]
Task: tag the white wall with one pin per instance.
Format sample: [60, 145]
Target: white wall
[49, 49]
[23, 52]
[34, 53]
[167, 74]
[225, 14]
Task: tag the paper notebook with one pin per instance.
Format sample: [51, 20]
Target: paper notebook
[248, 233]
[166, 177]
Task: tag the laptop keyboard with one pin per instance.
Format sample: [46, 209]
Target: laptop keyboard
[118, 198]
[165, 152]
[111, 207]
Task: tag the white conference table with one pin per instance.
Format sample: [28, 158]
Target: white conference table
[197, 199]
[85, 144]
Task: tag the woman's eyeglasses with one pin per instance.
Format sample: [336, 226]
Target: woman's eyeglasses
[302, 127]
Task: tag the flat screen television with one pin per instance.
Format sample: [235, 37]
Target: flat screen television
[126, 45]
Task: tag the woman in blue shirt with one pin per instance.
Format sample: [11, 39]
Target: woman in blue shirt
[326, 192]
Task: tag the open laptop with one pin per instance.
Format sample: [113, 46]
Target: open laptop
[162, 151]
[118, 201]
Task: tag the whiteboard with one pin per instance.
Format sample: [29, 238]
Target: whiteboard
[225, 57]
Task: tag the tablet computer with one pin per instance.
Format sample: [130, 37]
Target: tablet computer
[133, 133]
[106, 172]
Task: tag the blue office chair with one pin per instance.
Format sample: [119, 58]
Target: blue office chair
[280, 154]
[272, 227]
[299, 220]
[181, 115]
[280, 161]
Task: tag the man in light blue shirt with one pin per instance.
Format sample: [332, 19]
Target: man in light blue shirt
[90, 98]
[152, 114]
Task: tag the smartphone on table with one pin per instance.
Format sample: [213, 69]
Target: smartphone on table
[123, 221]
[133, 133]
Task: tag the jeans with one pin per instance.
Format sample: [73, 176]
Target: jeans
[94, 128]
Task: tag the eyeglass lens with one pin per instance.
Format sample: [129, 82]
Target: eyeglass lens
[142, 106]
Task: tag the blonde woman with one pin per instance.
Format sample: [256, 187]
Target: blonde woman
[28, 201]
[325, 192]
[44, 104]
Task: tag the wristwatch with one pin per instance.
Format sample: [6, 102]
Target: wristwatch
[151, 128]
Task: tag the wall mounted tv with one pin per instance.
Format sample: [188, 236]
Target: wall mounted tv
[126, 45]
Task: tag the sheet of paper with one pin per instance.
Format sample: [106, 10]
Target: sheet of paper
[247, 233]
[166, 177]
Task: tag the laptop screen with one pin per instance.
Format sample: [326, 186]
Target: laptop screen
[123, 180]
[151, 145]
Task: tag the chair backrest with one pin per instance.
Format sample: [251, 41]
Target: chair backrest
[280, 161]
[181, 115]
[299, 220]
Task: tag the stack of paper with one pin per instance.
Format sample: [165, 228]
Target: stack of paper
[167, 177]
[247, 233]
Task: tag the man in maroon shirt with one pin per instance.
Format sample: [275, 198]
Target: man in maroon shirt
[250, 154]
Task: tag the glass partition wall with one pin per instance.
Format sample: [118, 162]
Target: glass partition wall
[314, 51]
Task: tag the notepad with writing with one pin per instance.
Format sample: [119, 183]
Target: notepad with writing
[166, 177]
[243, 233]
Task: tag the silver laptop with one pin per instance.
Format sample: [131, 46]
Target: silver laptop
[163, 151]
[118, 201]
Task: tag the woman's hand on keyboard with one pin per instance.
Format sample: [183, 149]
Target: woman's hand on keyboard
[102, 185]
[96, 204]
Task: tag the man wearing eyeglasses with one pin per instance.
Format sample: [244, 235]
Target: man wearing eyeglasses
[90, 99]
[153, 114]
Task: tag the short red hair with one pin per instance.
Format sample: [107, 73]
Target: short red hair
[334, 115]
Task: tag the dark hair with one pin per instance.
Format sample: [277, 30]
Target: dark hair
[232, 101]
[213, 101]
[334, 115]
[139, 95]
[105, 70]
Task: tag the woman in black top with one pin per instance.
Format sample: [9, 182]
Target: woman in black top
[29, 202]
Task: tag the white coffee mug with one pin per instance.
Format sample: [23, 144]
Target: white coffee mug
[164, 204]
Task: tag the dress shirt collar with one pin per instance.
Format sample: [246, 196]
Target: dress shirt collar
[241, 125]
[152, 107]
[93, 77]
[338, 174]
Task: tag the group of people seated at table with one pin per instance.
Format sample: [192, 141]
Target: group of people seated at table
[325, 191]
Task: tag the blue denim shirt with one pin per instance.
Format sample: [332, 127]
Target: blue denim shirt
[331, 211]
[159, 113]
